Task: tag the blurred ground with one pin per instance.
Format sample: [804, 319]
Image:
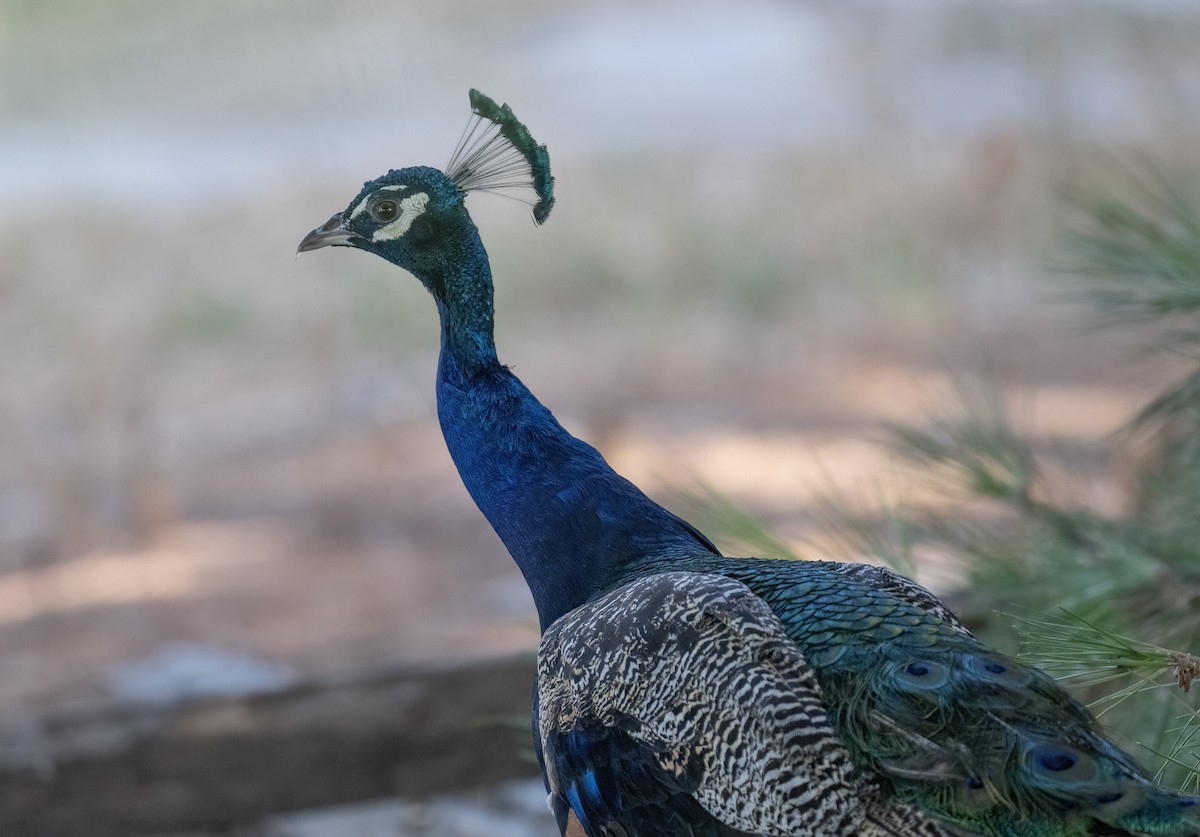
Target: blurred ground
[778, 224]
[514, 809]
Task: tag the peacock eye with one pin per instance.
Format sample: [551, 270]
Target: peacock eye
[385, 211]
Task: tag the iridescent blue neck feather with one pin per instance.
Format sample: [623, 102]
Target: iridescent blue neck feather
[573, 525]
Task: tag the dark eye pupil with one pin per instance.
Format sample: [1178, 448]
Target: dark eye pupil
[385, 210]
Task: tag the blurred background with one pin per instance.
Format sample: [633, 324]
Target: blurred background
[237, 568]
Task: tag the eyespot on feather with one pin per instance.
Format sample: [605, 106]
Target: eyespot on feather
[994, 669]
[921, 675]
[1061, 765]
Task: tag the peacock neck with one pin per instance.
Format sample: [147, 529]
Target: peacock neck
[571, 523]
[463, 292]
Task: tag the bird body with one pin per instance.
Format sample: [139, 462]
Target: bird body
[681, 692]
[678, 704]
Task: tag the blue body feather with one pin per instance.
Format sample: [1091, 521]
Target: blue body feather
[551, 498]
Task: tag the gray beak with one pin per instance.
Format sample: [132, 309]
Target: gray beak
[331, 232]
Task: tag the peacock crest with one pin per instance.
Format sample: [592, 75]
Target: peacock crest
[496, 153]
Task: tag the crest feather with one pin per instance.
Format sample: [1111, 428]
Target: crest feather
[497, 154]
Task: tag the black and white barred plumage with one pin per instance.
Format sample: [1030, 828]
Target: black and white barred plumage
[698, 673]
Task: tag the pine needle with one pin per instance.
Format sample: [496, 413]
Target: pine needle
[1088, 655]
[731, 525]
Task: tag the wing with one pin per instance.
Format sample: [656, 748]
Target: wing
[677, 705]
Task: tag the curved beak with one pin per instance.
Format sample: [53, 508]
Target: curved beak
[331, 232]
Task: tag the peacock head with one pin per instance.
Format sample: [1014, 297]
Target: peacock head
[409, 216]
[404, 217]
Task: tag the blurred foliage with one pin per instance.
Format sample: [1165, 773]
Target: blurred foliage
[1138, 251]
[735, 529]
[1109, 603]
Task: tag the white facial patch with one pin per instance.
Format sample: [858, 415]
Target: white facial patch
[362, 205]
[410, 209]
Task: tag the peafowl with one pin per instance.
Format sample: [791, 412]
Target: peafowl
[681, 692]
